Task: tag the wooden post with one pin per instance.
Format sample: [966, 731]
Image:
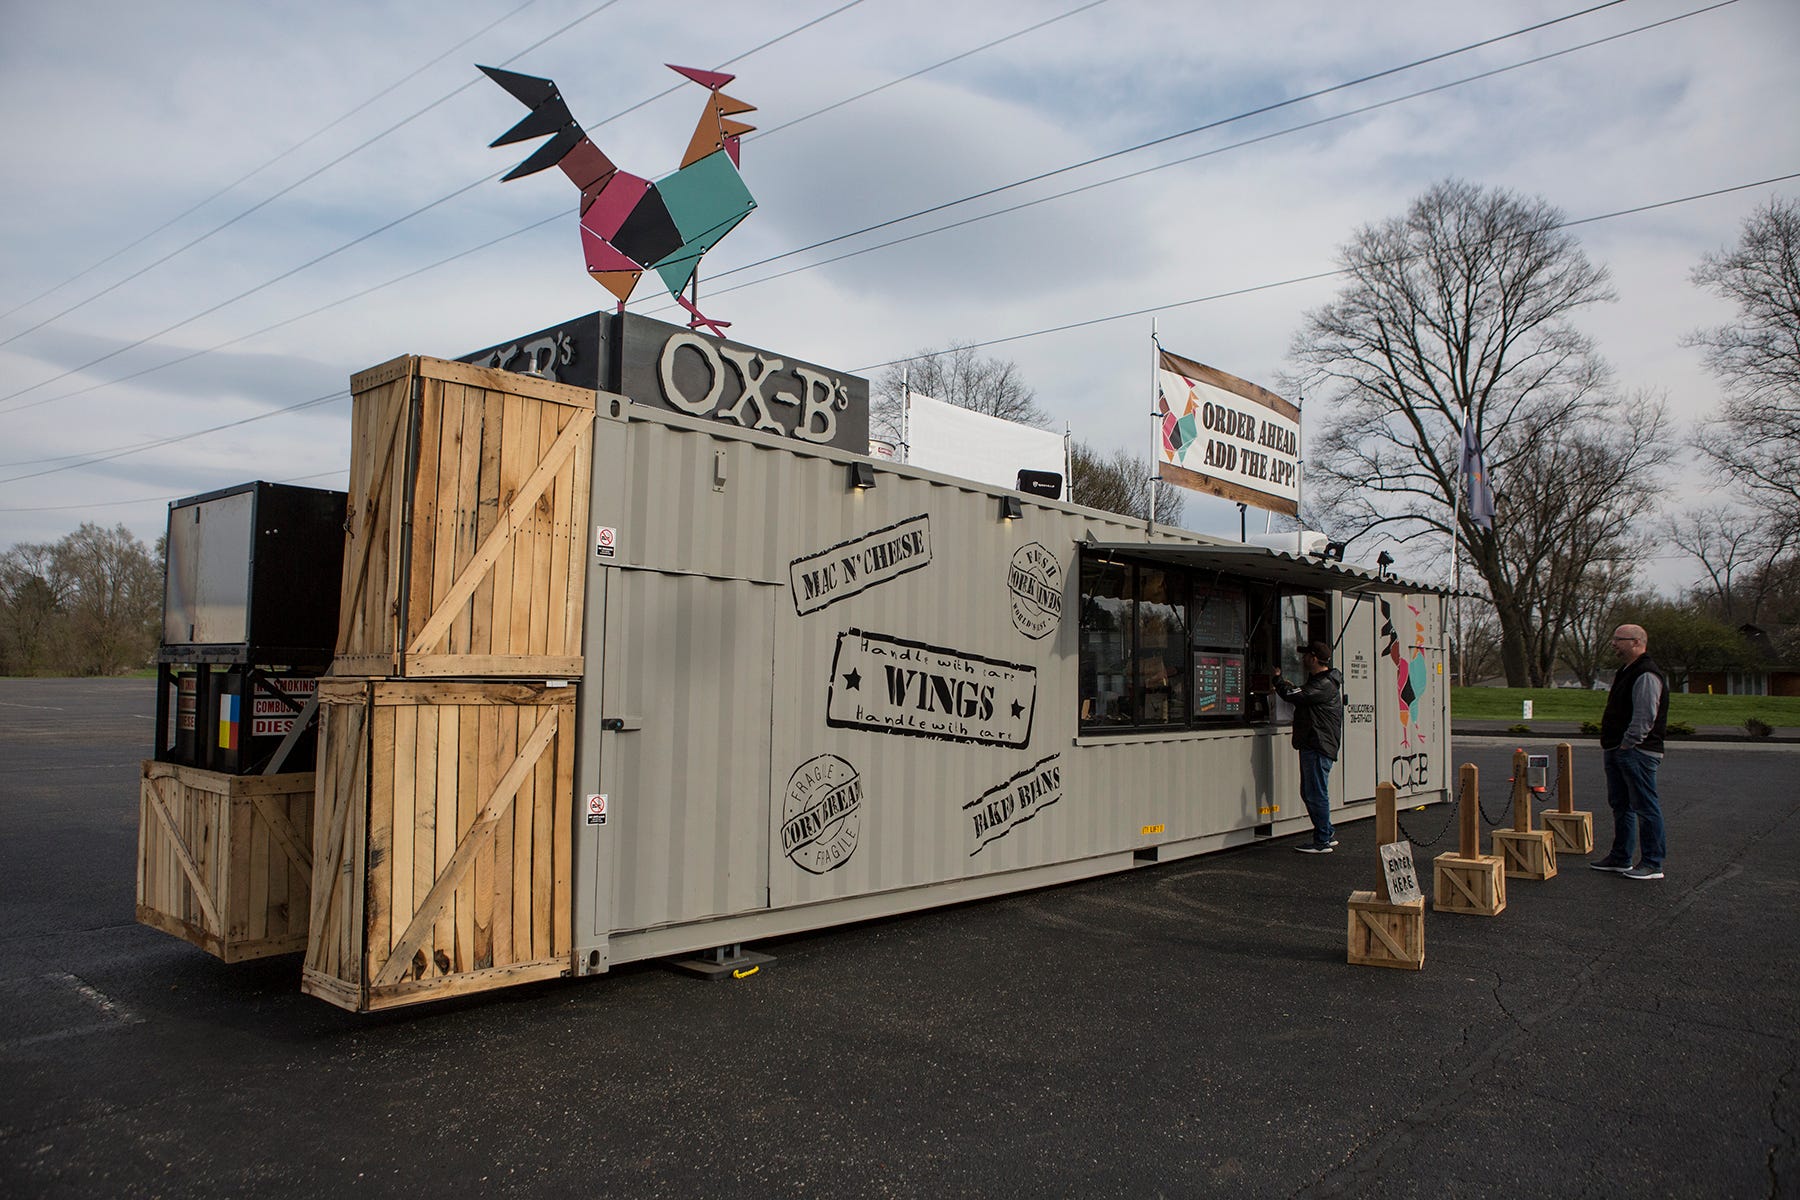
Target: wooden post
[1468, 881]
[1469, 801]
[1572, 831]
[1381, 932]
[1528, 853]
[1521, 794]
[1387, 831]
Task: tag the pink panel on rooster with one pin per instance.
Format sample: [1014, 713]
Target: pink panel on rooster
[614, 203]
[602, 255]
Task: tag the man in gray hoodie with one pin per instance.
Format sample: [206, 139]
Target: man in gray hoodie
[1318, 732]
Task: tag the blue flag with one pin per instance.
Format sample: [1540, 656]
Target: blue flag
[1475, 482]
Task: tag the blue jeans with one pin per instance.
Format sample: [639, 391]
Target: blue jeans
[1637, 816]
[1315, 790]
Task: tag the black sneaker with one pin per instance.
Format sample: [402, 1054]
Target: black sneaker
[1315, 848]
[1605, 865]
[1643, 872]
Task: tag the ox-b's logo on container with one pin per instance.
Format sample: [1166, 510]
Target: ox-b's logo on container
[821, 814]
[1035, 580]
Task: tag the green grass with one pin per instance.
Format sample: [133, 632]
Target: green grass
[1573, 704]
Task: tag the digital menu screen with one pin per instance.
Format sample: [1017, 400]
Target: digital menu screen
[1218, 685]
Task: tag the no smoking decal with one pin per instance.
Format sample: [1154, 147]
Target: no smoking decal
[596, 810]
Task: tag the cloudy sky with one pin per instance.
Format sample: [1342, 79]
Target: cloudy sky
[183, 305]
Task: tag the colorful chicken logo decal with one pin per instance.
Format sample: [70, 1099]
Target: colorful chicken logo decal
[1177, 431]
[1412, 675]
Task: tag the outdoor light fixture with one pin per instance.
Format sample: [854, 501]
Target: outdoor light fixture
[1383, 561]
[862, 476]
[1334, 551]
[1010, 508]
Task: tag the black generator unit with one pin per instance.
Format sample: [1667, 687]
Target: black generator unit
[250, 615]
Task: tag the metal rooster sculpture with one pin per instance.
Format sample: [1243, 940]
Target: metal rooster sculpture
[629, 224]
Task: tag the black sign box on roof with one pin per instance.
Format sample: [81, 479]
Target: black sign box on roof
[683, 370]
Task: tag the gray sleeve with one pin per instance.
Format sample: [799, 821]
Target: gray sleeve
[1646, 698]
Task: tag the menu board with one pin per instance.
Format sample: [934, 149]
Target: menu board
[1218, 616]
[1218, 685]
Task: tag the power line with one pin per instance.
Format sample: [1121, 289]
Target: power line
[1088, 187]
[255, 171]
[304, 179]
[364, 237]
[1313, 278]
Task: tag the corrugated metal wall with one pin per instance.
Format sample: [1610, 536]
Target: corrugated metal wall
[753, 780]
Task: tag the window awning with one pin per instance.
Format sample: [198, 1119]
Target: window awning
[1257, 562]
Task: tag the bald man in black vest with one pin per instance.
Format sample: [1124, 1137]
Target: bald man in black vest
[1631, 744]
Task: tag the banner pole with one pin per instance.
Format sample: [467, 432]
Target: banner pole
[1155, 419]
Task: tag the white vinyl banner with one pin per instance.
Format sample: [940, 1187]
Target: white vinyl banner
[972, 445]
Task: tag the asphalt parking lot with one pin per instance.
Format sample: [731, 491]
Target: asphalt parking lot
[1188, 1029]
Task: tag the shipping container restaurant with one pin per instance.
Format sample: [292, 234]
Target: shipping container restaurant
[667, 665]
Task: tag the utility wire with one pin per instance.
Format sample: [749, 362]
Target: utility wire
[1170, 137]
[307, 178]
[255, 171]
[1314, 124]
[1312, 278]
[364, 237]
[1015, 337]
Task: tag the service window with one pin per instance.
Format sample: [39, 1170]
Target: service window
[1168, 647]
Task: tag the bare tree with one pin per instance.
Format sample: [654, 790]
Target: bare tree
[1120, 483]
[1745, 557]
[1755, 436]
[1603, 594]
[1460, 310]
[959, 375]
[33, 592]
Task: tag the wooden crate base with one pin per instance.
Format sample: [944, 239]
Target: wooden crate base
[225, 861]
[1386, 935]
[1528, 854]
[1573, 832]
[1468, 885]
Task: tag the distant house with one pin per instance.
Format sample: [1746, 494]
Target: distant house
[1775, 653]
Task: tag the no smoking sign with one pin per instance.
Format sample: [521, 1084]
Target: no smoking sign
[596, 810]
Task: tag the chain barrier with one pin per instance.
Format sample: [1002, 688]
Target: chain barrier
[1422, 843]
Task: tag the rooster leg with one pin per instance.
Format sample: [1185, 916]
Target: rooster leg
[699, 320]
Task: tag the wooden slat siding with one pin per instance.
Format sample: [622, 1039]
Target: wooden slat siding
[427, 489]
[524, 568]
[382, 783]
[375, 469]
[158, 796]
[493, 806]
[562, 831]
[289, 822]
[501, 549]
[502, 853]
[490, 571]
[467, 511]
[579, 529]
[405, 816]
[449, 482]
[487, 510]
[406, 992]
[424, 840]
[261, 861]
[444, 814]
[468, 772]
[487, 771]
[234, 885]
[533, 845]
[338, 791]
[543, 538]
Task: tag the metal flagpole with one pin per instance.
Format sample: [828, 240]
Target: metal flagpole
[1456, 491]
[1155, 417]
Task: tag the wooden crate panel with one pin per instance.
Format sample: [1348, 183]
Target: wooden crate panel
[467, 548]
[1468, 885]
[1571, 832]
[446, 824]
[1528, 854]
[1386, 935]
[225, 861]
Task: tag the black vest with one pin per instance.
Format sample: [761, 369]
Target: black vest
[1617, 717]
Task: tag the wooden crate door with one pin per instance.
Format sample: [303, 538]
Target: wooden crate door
[470, 838]
[498, 556]
[368, 607]
[333, 966]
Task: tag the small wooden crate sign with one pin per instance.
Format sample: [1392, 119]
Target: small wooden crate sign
[1571, 832]
[444, 840]
[1468, 885]
[1386, 935]
[468, 511]
[225, 861]
[1527, 853]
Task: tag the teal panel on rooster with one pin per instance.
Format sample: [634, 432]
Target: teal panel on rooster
[704, 195]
